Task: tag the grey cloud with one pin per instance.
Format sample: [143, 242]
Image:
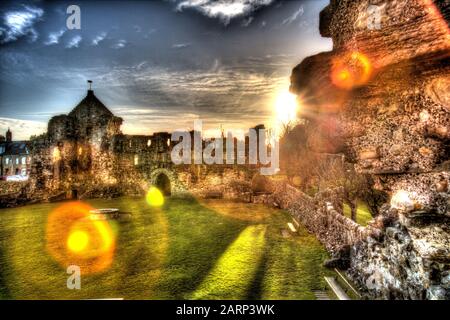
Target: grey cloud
[74, 42]
[209, 94]
[180, 45]
[153, 98]
[149, 33]
[224, 10]
[247, 22]
[53, 37]
[119, 44]
[294, 16]
[99, 38]
[20, 23]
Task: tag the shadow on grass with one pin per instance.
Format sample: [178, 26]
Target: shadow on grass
[256, 288]
[185, 249]
[197, 239]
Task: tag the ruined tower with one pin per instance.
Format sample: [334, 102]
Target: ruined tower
[81, 144]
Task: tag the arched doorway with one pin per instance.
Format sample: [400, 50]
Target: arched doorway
[162, 182]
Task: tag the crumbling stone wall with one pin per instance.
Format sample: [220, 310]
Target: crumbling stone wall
[321, 215]
[384, 91]
[386, 259]
[221, 181]
[13, 193]
[7, 187]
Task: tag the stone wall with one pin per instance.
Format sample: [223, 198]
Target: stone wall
[71, 167]
[8, 187]
[321, 215]
[220, 181]
[385, 259]
[13, 193]
[409, 263]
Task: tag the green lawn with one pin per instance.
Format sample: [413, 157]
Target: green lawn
[184, 250]
[363, 215]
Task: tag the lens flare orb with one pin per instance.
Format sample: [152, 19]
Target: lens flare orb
[77, 241]
[154, 197]
[351, 70]
[73, 238]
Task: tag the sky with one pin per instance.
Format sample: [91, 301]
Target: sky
[157, 64]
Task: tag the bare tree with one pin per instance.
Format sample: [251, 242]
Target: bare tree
[325, 170]
[334, 172]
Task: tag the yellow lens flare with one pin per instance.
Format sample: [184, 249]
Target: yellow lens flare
[154, 197]
[74, 239]
[344, 75]
[351, 70]
[77, 241]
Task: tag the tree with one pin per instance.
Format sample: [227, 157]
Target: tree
[334, 172]
[293, 148]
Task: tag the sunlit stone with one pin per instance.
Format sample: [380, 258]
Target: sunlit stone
[401, 200]
[424, 116]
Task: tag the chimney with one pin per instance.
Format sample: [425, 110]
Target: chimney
[8, 135]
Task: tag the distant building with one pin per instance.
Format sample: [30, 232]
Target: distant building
[15, 159]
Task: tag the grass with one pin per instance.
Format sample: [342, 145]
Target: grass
[363, 215]
[184, 250]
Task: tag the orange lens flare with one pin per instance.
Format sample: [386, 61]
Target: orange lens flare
[73, 238]
[351, 70]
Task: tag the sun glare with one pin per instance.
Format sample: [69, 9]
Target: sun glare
[285, 111]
